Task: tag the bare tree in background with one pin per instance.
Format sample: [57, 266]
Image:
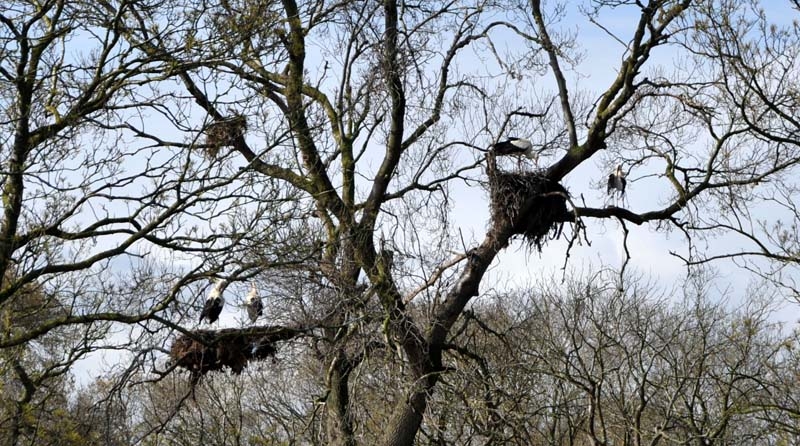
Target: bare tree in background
[35, 376]
[591, 365]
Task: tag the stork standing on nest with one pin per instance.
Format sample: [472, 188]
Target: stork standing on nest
[515, 146]
[255, 307]
[214, 302]
[617, 182]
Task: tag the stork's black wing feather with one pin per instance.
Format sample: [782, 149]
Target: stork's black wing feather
[507, 148]
[206, 309]
[211, 310]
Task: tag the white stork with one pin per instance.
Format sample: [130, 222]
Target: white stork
[255, 307]
[515, 146]
[214, 302]
[617, 182]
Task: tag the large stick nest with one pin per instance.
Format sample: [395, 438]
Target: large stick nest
[223, 133]
[533, 205]
[202, 351]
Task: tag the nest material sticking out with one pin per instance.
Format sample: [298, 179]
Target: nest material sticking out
[545, 212]
[223, 133]
[207, 350]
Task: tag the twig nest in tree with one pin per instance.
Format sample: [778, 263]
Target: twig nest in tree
[203, 351]
[533, 205]
[223, 133]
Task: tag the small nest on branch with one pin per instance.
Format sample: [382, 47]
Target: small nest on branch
[207, 350]
[533, 205]
[223, 133]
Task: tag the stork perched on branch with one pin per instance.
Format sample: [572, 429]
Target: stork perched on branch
[255, 307]
[617, 182]
[214, 302]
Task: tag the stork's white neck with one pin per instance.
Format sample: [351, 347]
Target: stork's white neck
[216, 292]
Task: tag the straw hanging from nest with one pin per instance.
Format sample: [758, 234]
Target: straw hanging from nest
[532, 204]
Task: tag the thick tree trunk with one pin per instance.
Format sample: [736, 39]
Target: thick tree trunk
[407, 418]
[339, 418]
[20, 406]
[13, 191]
[427, 357]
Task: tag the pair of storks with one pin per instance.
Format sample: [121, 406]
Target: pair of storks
[521, 146]
[215, 302]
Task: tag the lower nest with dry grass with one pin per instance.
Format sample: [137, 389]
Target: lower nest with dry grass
[202, 351]
[530, 203]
